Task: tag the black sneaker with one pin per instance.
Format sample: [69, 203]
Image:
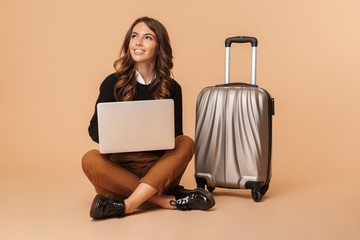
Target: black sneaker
[197, 199]
[107, 207]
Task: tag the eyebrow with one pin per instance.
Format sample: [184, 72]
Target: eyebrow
[146, 34]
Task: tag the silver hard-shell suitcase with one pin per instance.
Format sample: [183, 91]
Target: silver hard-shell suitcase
[234, 131]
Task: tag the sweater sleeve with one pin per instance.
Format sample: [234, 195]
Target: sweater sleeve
[177, 96]
[106, 94]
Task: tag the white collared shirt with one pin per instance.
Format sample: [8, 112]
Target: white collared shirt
[140, 79]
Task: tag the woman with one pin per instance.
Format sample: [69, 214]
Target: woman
[124, 181]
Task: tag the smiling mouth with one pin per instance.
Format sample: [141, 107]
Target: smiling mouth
[139, 51]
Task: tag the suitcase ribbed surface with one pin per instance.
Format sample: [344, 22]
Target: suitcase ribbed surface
[232, 136]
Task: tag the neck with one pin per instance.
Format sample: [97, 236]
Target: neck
[147, 71]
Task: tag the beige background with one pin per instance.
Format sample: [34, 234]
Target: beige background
[54, 55]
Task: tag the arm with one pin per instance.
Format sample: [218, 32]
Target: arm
[177, 96]
[106, 94]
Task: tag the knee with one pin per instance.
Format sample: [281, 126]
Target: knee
[87, 161]
[186, 143]
[189, 142]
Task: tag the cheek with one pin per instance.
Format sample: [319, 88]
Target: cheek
[131, 53]
[131, 43]
[154, 49]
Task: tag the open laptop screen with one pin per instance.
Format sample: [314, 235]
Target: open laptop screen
[134, 126]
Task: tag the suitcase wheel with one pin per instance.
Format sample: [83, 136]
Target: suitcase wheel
[200, 182]
[210, 189]
[256, 195]
[264, 189]
[200, 186]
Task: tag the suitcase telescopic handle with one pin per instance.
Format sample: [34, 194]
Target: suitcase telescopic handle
[241, 39]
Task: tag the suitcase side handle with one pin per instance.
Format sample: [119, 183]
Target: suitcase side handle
[241, 39]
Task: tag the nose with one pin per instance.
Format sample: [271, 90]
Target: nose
[138, 42]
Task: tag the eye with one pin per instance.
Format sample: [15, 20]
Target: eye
[148, 37]
[133, 36]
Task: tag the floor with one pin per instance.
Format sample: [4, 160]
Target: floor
[53, 203]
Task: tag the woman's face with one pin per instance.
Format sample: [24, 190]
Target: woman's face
[143, 45]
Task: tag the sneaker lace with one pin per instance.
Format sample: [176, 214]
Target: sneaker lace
[180, 202]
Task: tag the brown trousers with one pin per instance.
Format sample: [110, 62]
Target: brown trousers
[121, 173]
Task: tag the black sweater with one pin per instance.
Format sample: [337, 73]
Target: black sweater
[142, 93]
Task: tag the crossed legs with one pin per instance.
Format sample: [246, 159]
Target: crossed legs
[110, 177]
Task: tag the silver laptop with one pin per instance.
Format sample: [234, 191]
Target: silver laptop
[134, 126]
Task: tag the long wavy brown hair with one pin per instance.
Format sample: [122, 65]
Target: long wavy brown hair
[125, 88]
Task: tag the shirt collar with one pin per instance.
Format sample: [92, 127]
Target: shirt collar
[140, 79]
